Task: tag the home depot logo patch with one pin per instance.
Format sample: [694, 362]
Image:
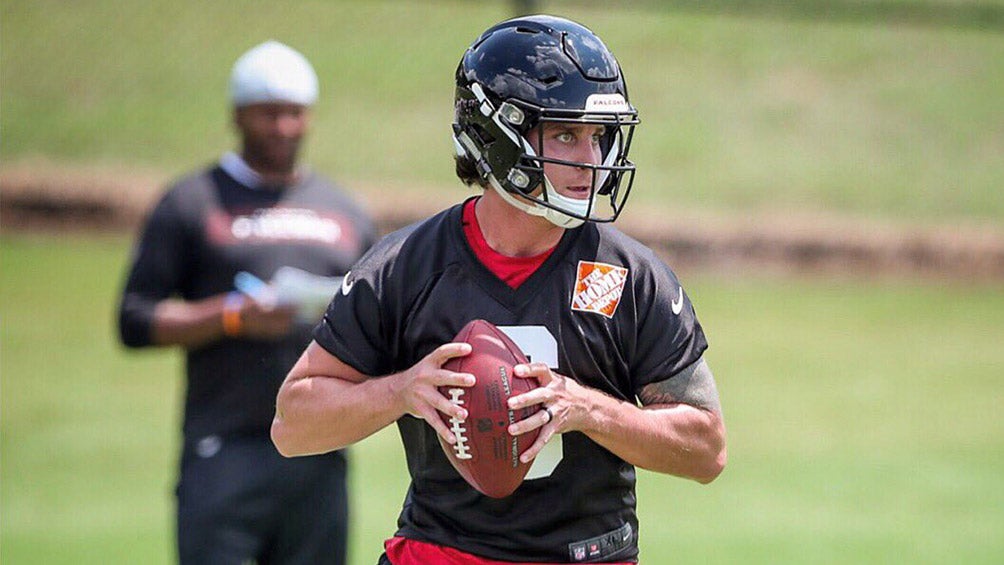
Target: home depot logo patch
[598, 288]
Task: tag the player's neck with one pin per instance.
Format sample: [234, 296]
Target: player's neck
[513, 232]
[271, 176]
[278, 180]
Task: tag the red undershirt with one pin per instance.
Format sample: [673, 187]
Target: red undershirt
[514, 271]
[404, 551]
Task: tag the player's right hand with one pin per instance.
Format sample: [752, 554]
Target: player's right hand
[417, 389]
[266, 321]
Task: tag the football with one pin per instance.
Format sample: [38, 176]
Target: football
[485, 455]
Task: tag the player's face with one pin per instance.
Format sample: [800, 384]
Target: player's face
[271, 134]
[569, 142]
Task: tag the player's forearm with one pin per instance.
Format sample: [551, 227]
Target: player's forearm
[678, 439]
[318, 414]
[189, 324]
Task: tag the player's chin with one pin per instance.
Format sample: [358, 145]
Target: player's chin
[576, 192]
[282, 156]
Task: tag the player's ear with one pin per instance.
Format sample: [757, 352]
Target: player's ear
[235, 118]
[239, 121]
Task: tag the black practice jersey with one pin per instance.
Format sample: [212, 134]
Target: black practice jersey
[618, 320]
[206, 229]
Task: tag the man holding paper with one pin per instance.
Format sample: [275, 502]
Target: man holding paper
[229, 266]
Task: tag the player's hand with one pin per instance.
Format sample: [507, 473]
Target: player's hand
[562, 398]
[266, 321]
[417, 388]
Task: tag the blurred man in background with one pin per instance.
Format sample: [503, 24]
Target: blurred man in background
[246, 218]
[543, 127]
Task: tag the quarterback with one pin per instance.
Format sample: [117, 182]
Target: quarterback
[543, 127]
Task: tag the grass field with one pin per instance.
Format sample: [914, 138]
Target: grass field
[786, 113]
[864, 424]
[864, 416]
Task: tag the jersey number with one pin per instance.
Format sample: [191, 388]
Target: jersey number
[540, 347]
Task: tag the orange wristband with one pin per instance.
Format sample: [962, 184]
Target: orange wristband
[232, 314]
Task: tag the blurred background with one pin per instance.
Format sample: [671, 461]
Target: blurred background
[824, 175]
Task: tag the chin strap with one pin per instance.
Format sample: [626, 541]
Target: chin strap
[557, 218]
[465, 146]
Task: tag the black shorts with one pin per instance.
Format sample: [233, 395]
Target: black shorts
[240, 501]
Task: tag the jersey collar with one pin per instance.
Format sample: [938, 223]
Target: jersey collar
[235, 166]
[238, 169]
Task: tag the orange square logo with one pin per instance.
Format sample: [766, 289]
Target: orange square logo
[598, 288]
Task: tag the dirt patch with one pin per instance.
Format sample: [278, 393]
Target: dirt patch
[817, 243]
[38, 195]
[41, 196]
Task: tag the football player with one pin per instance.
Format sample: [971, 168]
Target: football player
[543, 126]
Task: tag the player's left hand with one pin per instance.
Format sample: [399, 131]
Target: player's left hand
[562, 404]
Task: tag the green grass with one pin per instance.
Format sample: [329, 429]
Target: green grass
[864, 418]
[873, 116]
[864, 424]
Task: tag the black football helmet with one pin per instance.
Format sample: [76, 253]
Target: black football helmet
[524, 73]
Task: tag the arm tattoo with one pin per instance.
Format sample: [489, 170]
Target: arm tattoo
[694, 385]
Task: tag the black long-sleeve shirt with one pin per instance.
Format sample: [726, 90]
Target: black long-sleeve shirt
[206, 229]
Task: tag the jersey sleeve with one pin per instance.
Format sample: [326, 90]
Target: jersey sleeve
[156, 273]
[670, 337]
[359, 319]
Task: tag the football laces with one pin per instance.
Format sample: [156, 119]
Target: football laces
[460, 449]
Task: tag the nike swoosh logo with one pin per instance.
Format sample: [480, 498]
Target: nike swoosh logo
[347, 283]
[677, 303]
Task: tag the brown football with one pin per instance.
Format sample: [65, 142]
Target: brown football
[485, 455]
